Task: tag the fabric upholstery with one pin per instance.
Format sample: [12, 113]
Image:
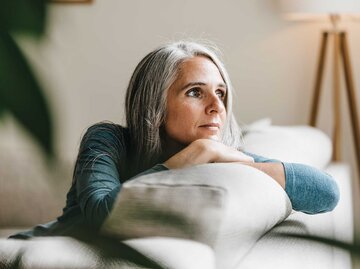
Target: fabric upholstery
[227, 206]
[298, 144]
[288, 252]
[26, 194]
[65, 252]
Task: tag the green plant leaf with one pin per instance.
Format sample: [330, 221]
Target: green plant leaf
[22, 96]
[352, 247]
[2, 110]
[23, 15]
[16, 263]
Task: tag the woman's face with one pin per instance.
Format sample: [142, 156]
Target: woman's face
[195, 102]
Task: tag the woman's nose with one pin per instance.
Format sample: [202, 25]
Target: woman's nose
[215, 104]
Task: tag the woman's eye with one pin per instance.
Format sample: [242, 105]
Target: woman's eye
[194, 92]
[221, 94]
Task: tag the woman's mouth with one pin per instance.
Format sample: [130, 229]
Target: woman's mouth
[211, 126]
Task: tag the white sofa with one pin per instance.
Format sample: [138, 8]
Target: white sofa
[213, 216]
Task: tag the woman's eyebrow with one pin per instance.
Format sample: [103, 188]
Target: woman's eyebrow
[199, 83]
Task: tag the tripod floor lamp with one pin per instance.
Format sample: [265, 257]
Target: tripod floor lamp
[335, 10]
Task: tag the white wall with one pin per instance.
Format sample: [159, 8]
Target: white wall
[86, 59]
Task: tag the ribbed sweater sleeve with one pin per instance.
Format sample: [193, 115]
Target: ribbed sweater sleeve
[310, 190]
[96, 175]
[97, 178]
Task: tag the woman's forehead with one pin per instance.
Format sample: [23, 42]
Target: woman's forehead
[199, 68]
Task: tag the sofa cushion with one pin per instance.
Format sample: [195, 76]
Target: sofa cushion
[175, 253]
[301, 254]
[64, 252]
[228, 206]
[26, 193]
[298, 144]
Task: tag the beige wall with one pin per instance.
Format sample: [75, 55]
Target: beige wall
[89, 52]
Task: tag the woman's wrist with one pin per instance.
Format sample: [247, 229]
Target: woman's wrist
[198, 152]
[274, 170]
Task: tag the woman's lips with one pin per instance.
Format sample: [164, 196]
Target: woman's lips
[211, 126]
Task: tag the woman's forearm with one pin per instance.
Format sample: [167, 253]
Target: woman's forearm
[206, 151]
[310, 190]
[274, 170]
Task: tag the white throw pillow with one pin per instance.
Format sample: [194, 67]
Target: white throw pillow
[226, 206]
[298, 144]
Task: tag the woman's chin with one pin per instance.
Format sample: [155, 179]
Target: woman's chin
[209, 133]
[211, 137]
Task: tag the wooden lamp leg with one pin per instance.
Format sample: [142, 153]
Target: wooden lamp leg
[350, 89]
[340, 48]
[319, 75]
[336, 100]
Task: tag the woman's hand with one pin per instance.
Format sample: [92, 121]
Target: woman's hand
[206, 151]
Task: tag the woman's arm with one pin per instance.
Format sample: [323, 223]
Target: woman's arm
[310, 190]
[206, 151]
[96, 175]
[274, 170]
[97, 178]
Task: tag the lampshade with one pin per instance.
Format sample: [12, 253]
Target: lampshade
[318, 9]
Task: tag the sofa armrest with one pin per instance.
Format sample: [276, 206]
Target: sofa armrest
[338, 224]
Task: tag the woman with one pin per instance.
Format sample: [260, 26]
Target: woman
[179, 114]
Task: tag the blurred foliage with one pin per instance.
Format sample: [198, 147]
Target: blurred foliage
[23, 16]
[110, 249]
[20, 93]
[22, 96]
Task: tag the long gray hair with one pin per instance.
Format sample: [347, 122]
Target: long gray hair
[147, 92]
